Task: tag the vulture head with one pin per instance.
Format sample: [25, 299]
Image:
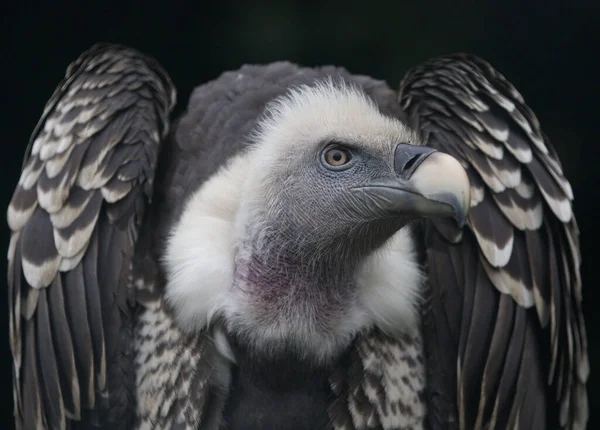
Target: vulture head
[299, 242]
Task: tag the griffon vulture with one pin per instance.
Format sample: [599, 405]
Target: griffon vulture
[302, 249]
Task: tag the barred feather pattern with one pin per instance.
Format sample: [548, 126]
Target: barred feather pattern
[181, 380]
[74, 216]
[505, 300]
[382, 386]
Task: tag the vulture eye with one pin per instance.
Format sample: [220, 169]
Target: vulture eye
[337, 157]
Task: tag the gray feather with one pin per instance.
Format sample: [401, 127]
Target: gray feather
[50, 384]
[64, 351]
[39, 256]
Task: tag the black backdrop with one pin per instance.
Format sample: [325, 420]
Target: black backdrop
[547, 49]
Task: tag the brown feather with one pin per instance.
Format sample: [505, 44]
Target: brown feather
[57, 325]
[523, 221]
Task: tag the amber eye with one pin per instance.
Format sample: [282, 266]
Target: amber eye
[337, 157]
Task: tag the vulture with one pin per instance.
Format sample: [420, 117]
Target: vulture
[302, 248]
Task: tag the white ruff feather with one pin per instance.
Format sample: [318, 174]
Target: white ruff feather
[200, 255]
[390, 282]
[324, 112]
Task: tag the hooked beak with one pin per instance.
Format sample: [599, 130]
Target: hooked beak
[428, 183]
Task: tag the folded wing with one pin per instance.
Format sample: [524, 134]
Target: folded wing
[74, 217]
[505, 320]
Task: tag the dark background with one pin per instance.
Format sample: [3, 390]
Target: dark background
[549, 50]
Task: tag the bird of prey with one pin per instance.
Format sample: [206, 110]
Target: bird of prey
[303, 248]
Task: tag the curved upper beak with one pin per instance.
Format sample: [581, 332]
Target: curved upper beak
[428, 183]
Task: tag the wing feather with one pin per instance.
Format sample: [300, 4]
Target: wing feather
[50, 385]
[526, 341]
[507, 383]
[65, 353]
[31, 390]
[94, 310]
[93, 153]
[477, 343]
[75, 304]
[493, 368]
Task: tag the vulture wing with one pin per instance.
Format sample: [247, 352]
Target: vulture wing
[74, 217]
[505, 338]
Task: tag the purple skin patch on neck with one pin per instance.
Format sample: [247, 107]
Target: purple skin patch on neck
[284, 288]
[277, 276]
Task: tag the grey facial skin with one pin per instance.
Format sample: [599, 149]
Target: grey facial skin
[429, 183]
[363, 202]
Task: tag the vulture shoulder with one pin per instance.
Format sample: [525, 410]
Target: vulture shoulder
[504, 333]
[74, 218]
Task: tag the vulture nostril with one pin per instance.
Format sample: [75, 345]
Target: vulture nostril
[410, 163]
[407, 158]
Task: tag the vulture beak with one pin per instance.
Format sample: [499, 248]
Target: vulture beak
[428, 183]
